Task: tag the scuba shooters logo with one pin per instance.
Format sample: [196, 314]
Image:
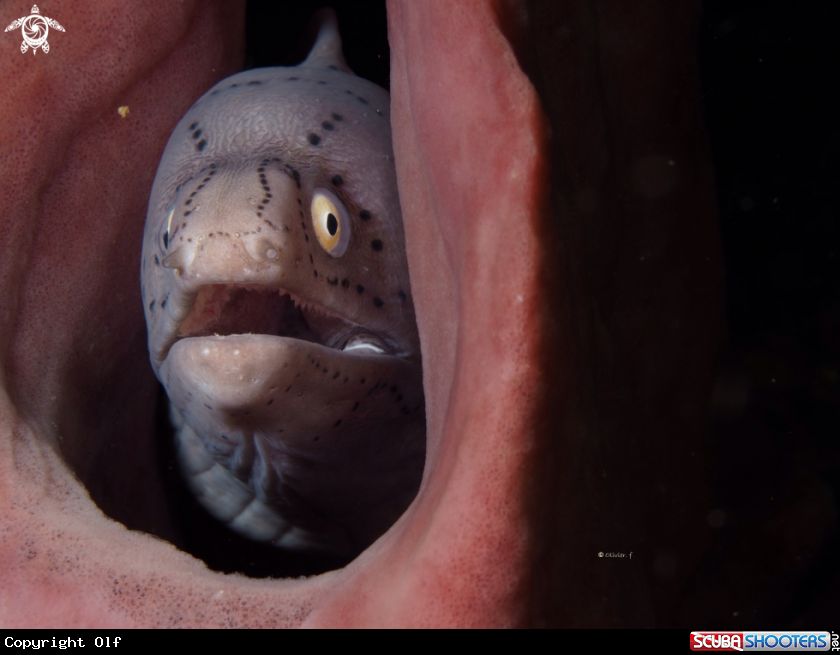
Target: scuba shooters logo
[34, 29]
[763, 641]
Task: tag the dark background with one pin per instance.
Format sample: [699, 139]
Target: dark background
[770, 101]
[769, 88]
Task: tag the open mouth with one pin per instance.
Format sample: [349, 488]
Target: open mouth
[228, 309]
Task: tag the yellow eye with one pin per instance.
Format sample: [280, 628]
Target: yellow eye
[331, 222]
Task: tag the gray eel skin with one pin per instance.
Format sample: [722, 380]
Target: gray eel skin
[279, 309]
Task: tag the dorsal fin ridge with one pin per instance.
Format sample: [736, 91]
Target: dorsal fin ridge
[327, 48]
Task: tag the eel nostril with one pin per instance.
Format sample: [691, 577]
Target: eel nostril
[174, 260]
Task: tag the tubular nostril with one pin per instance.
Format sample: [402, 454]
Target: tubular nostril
[174, 260]
[262, 250]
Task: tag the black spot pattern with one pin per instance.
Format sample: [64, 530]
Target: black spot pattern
[376, 244]
[329, 127]
[364, 215]
[337, 180]
[265, 187]
[338, 117]
[378, 302]
[360, 289]
[314, 139]
[295, 175]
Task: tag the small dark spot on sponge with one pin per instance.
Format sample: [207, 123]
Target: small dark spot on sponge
[376, 244]
[314, 139]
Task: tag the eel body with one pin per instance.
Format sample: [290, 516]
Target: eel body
[279, 309]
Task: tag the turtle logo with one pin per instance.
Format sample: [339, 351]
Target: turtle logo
[35, 29]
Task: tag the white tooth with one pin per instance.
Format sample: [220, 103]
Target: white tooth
[361, 345]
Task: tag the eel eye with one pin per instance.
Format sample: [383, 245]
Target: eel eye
[168, 228]
[331, 222]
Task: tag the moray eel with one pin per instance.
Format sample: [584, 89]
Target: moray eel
[279, 308]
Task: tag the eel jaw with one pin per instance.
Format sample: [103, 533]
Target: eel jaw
[228, 309]
[330, 465]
